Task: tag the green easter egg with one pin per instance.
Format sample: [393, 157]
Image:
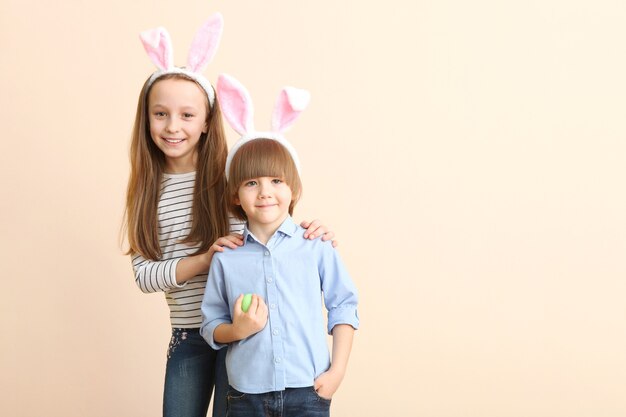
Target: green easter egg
[245, 304]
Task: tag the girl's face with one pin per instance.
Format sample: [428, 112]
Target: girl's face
[177, 114]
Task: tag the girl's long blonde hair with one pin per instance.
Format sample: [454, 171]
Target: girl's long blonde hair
[147, 162]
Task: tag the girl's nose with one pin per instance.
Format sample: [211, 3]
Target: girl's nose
[172, 125]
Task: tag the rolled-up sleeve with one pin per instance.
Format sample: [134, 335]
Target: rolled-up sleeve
[215, 310]
[340, 293]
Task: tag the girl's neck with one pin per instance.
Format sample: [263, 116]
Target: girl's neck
[177, 166]
[178, 171]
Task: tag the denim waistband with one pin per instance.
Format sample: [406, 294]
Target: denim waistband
[184, 329]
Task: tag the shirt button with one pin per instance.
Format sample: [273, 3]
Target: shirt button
[272, 306]
[269, 280]
[277, 360]
[267, 253]
[275, 332]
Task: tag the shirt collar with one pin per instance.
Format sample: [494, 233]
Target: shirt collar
[288, 227]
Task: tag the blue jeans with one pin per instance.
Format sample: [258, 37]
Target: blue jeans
[292, 402]
[193, 368]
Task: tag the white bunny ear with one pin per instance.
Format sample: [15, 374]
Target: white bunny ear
[205, 43]
[290, 103]
[235, 103]
[158, 45]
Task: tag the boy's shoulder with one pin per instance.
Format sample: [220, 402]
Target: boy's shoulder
[311, 247]
[226, 256]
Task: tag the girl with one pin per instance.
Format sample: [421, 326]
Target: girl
[176, 211]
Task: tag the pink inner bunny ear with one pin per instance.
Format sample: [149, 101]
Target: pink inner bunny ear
[235, 103]
[158, 45]
[291, 101]
[205, 43]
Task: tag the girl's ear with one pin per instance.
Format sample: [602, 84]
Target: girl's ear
[235, 103]
[205, 43]
[290, 103]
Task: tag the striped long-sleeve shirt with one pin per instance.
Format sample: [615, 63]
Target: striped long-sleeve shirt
[174, 213]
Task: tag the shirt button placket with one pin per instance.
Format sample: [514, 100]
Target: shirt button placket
[275, 320]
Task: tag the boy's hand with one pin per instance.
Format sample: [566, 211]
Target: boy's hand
[327, 383]
[315, 229]
[251, 322]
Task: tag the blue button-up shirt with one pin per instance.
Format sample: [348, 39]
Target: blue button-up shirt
[291, 274]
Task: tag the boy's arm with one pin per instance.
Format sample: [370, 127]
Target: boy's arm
[243, 324]
[327, 383]
[341, 300]
[215, 308]
[340, 294]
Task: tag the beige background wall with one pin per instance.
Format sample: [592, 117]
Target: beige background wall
[469, 156]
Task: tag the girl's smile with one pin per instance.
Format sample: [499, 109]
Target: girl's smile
[173, 141]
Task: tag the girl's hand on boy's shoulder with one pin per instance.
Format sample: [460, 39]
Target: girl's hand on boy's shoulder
[327, 383]
[231, 241]
[315, 229]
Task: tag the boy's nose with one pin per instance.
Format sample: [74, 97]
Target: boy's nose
[264, 190]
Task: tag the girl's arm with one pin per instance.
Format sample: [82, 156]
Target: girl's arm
[153, 276]
[327, 383]
[191, 266]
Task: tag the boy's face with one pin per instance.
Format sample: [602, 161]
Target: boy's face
[265, 200]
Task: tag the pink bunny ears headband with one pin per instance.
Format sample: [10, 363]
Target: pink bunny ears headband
[158, 45]
[237, 108]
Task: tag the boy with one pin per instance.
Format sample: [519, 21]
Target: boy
[278, 361]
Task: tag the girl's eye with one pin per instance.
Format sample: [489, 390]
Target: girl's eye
[277, 181]
[159, 114]
[250, 184]
[187, 115]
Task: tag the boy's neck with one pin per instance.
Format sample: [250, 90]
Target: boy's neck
[264, 232]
